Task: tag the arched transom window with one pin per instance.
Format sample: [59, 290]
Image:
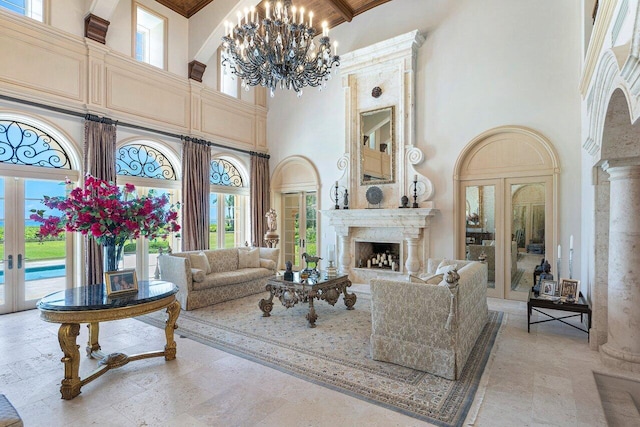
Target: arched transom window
[143, 161]
[223, 172]
[23, 144]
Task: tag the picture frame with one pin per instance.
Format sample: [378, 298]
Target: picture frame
[569, 288]
[121, 281]
[548, 287]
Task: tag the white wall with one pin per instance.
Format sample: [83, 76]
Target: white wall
[484, 64]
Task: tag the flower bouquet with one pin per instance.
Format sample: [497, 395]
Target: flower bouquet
[109, 215]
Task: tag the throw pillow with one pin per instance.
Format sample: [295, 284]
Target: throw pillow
[200, 261]
[446, 266]
[249, 258]
[197, 274]
[429, 279]
[268, 264]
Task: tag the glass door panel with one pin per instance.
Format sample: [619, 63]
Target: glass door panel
[311, 225]
[480, 232]
[529, 223]
[42, 264]
[3, 298]
[291, 232]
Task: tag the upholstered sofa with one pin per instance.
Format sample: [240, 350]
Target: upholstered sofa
[214, 276]
[429, 327]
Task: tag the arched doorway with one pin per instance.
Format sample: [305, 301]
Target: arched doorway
[506, 186]
[294, 187]
[36, 157]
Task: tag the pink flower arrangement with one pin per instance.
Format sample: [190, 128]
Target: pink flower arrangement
[107, 214]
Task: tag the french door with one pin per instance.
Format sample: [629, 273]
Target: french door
[300, 226]
[30, 268]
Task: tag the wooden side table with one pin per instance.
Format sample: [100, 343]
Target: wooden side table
[580, 307]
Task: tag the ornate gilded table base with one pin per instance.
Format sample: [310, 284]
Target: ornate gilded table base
[290, 293]
[70, 329]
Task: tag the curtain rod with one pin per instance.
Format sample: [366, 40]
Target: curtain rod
[107, 120]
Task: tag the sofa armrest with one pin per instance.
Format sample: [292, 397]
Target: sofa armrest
[176, 269]
[270, 254]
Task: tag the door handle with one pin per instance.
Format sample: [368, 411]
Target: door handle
[9, 261]
[19, 261]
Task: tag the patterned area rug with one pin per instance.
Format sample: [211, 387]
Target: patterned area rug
[335, 354]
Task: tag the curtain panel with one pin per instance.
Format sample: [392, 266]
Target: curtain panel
[99, 161]
[260, 197]
[196, 161]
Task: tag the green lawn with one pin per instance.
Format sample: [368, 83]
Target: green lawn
[36, 251]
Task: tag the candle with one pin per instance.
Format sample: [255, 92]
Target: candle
[559, 253]
[571, 242]
[246, 15]
[335, 48]
[368, 263]
[302, 15]
[268, 14]
[294, 11]
[336, 184]
[310, 19]
[239, 15]
[253, 14]
[415, 178]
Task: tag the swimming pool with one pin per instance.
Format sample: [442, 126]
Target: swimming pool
[41, 272]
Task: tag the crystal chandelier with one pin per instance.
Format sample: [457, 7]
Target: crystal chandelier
[278, 49]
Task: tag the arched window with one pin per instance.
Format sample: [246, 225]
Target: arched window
[143, 161]
[150, 170]
[23, 144]
[35, 159]
[228, 216]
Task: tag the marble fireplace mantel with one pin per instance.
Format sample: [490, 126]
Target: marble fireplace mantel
[411, 227]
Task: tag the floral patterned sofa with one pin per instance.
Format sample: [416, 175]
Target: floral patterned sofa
[429, 327]
[214, 276]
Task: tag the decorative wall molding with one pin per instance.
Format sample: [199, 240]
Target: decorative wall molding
[91, 78]
[390, 65]
[196, 70]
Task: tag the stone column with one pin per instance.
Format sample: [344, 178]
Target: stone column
[413, 262]
[344, 264]
[622, 349]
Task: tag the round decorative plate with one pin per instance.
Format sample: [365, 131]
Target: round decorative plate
[374, 195]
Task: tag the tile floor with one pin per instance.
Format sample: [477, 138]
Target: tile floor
[542, 378]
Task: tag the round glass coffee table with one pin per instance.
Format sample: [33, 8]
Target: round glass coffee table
[90, 304]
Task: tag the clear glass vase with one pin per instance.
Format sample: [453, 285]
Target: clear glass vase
[112, 255]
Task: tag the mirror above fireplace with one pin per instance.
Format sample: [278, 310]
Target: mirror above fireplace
[377, 146]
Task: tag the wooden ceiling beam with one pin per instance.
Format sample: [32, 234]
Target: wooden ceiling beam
[342, 8]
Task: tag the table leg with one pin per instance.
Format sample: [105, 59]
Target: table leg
[349, 299]
[93, 347]
[267, 305]
[170, 349]
[71, 383]
[312, 316]
[528, 317]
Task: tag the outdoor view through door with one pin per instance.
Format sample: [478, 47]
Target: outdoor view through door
[300, 226]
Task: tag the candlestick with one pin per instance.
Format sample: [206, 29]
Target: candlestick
[337, 206]
[559, 262]
[415, 191]
[571, 263]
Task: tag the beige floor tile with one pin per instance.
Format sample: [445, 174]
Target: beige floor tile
[539, 378]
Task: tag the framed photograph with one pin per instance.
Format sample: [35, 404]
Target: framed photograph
[569, 288]
[121, 281]
[548, 287]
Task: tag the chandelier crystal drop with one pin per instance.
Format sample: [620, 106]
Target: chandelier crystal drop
[278, 49]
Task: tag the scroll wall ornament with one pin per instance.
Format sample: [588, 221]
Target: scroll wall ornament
[23, 144]
[424, 186]
[143, 161]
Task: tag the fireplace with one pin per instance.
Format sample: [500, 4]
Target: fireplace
[402, 234]
[377, 255]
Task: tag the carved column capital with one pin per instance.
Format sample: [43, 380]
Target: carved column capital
[196, 70]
